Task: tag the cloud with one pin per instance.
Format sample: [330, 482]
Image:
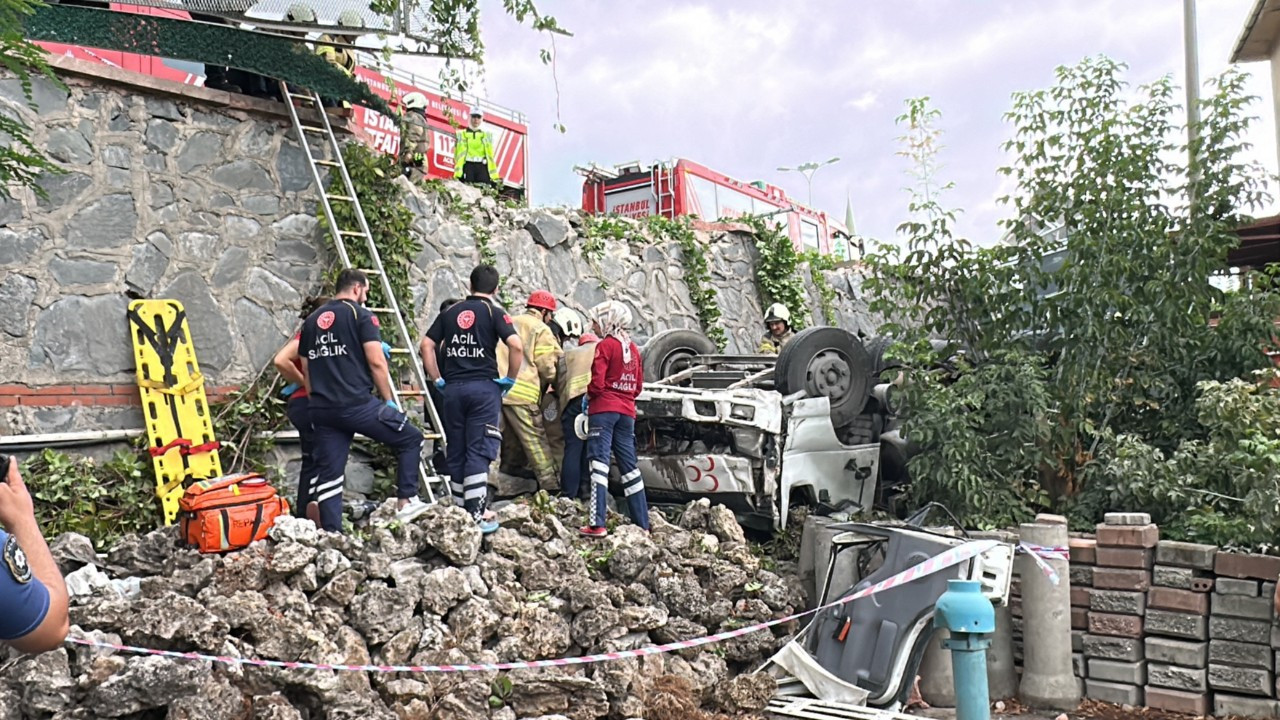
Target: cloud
[865, 101]
[748, 86]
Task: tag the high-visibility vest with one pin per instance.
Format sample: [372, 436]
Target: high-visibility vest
[573, 374]
[474, 146]
[541, 351]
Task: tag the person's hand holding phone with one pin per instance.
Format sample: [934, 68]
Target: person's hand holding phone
[16, 507]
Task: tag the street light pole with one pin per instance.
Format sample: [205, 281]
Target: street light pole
[808, 169]
[1191, 51]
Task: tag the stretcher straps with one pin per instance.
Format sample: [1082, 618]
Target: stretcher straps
[195, 383]
[184, 447]
[164, 449]
[164, 340]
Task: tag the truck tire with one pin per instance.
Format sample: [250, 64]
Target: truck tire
[826, 362]
[876, 348]
[670, 351]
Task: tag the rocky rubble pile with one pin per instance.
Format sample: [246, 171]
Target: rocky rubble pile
[430, 592]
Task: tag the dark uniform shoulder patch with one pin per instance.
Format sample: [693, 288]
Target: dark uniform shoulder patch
[16, 561]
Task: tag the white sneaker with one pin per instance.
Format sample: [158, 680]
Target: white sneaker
[411, 510]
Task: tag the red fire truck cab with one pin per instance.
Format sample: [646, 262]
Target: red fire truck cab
[683, 187]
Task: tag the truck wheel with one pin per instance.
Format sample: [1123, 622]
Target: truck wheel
[671, 351]
[826, 362]
[876, 348]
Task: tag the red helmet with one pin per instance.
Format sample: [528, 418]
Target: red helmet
[542, 300]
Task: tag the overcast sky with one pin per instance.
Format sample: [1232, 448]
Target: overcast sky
[745, 86]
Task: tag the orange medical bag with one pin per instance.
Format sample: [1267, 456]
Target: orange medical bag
[229, 512]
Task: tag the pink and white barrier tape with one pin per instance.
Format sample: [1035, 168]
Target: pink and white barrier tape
[950, 558]
[1039, 553]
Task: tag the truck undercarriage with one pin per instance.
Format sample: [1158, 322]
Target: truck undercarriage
[759, 433]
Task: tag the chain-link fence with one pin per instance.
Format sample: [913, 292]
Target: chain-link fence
[409, 28]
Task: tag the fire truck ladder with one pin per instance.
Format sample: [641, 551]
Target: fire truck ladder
[664, 189]
[362, 234]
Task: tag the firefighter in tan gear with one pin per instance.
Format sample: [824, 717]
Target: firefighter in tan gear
[521, 408]
[415, 137]
[343, 58]
[573, 375]
[473, 157]
[777, 321]
[566, 325]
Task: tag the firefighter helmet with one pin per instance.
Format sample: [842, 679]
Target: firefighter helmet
[778, 312]
[300, 13]
[350, 19]
[542, 300]
[415, 101]
[570, 322]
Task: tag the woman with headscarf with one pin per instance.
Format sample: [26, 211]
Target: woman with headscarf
[617, 376]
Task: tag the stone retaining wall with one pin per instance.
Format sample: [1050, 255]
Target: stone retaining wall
[1171, 625]
[177, 192]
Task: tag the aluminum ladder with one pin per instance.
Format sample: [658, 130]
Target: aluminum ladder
[292, 100]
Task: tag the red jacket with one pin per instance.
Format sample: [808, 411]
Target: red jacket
[614, 384]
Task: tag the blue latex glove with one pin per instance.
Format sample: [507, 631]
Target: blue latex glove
[392, 404]
[386, 350]
[584, 404]
[289, 390]
[506, 384]
[439, 383]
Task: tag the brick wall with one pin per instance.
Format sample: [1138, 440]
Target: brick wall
[86, 395]
[1171, 625]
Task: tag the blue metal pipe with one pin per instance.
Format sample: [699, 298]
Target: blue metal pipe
[970, 617]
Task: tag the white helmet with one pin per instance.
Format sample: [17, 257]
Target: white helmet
[300, 13]
[415, 101]
[777, 312]
[569, 321]
[351, 19]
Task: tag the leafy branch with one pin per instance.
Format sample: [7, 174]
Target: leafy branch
[21, 163]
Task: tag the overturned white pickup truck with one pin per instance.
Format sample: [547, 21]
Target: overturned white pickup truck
[814, 425]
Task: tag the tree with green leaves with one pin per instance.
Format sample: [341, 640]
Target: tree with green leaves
[20, 161]
[1096, 315]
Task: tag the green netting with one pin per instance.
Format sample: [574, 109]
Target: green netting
[275, 57]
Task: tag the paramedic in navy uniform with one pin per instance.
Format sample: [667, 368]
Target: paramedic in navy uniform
[343, 361]
[467, 336]
[33, 598]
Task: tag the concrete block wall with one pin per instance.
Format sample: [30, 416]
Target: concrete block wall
[1171, 625]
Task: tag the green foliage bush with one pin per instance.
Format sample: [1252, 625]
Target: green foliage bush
[1110, 346]
[1220, 487]
[101, 500]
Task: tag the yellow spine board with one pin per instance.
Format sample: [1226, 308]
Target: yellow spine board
[173, 399]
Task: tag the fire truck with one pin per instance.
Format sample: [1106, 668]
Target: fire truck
[509, 128]
[683, 187]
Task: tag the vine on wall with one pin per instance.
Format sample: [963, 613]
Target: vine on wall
[818, 265]
[778, 270]
[697, 273]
